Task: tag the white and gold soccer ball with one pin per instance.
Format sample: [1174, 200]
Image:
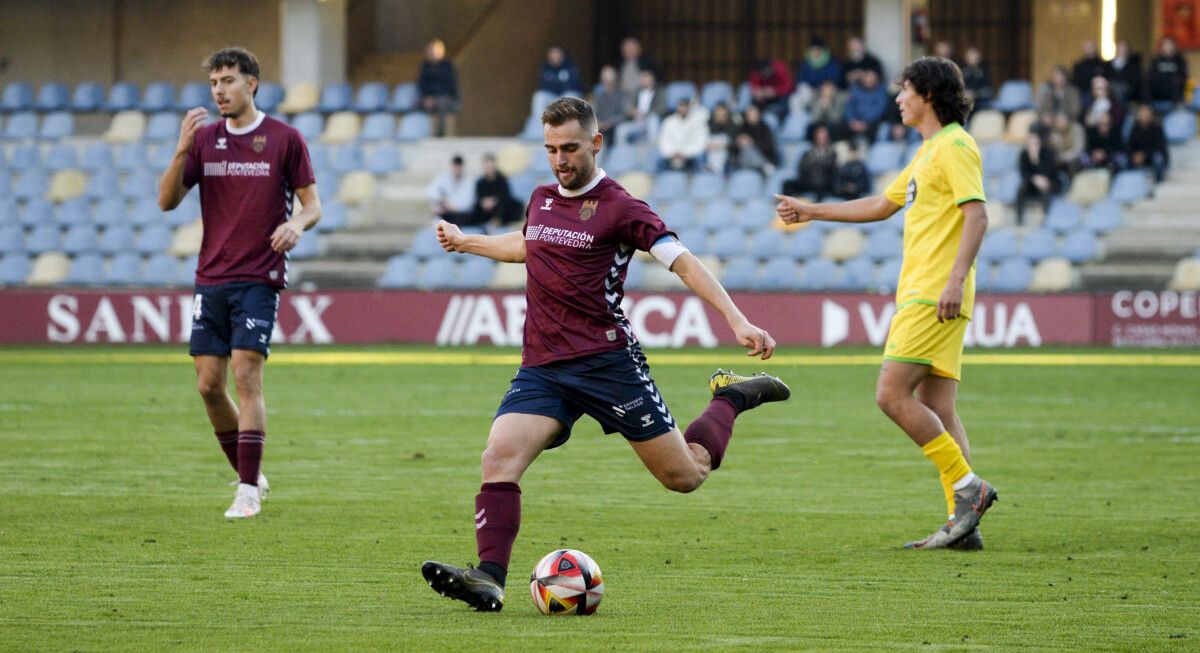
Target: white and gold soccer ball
[566, 581]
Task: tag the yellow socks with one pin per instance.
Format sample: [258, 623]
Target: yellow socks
[944, 452]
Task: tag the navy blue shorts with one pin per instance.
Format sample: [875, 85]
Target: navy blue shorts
[233, 316]
[614, 388]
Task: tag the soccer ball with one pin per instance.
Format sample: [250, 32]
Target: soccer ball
[566, 581]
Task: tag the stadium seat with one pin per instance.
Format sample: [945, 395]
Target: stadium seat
[883, 244]
[1052, 275]
[1104, 216]
[756, 214]
[1039, 245]
[122, 96]
[153, 239]
[38, 211]
[706, 186]
[678, 91]
[159, 96]
[842, 244]
[1002, 188]
[987, 126]
[818, 274]
[795, 128]
[85, 270]
[14, 268]
[1089, 186]
[26, 156]
[310, 125]
[404, 98]
[342, 127]
[333, 216]
[49, 269]
[1130, 186]
[511, 276]
[618, 160]
[637, 183]
[384, 159]
[1011, 275]
[116, 239]
[52, 96]
[400, 272]
[74, 212]
[740, 273]
[101, 184]
[1185, 277]
[1000, 158]
[142, 183]
[18, 96]
[310, 246]
[1064, 216]
[163, 128]
[745, 185]
[132, 156]
[744, 97]
[126, 127]
[475, 272]
[371, 97]
[718, 214]
[299, 98]
[61, 156]
[186, 239]
[56, 126]
[1013, 95]
[269, 96]
[680, 214]
[145, 212]
[885, 156]
[1179, 126]
[347, 158]
[514, 159]
[716, 92]
[43, 238]
[997, 245]
[806, 243]
[87, 97]
[437, 272]
[187, 271]
[694, 238]
[1080, 246]
[356, 188]
[199, 94]
[727, 242]
[768, 244]
[888, 275]
[425, 245]
[779, 273]
[669, 186]
[8, 203]
[97, 156]
[123, 270]
[31, 184]
[160, 270]
[21, 126]
[81, 239]
[378, 127]
[12, 238]
[335, 97]
[857, 274]
[110, 211]
[416, 126]
[1019, 125]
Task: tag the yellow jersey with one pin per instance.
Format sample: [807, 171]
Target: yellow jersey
[945, 173]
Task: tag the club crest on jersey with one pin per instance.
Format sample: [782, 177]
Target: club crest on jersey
[260, 143]
[588, 210]
[549, 201]
[221, 145]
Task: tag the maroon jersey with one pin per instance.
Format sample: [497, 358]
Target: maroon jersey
[577, 251]
[247, 180]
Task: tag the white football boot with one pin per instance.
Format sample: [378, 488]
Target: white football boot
[245, 502]
[264, 488]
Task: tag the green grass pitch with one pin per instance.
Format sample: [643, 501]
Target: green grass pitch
[112, 489]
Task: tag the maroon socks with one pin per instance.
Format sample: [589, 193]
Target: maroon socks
[229, 444]
[497, 520]
[249, 455]
[713, 428]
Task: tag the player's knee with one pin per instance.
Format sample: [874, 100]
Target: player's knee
[887, 399]
[497, 461]
[249, 381]
[683, 480]
[210, 388]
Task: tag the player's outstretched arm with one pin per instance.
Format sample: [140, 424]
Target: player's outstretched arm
[697, 277]
[866, 209]
[975, 222]
[507, 248]
[170, 187]
[288, 234]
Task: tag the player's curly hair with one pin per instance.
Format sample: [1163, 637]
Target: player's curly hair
[940, 82]
[566, 109]
[239, 58]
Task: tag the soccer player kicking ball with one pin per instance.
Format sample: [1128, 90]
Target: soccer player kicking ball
[249, 166]
[942, 188]
[580, 355]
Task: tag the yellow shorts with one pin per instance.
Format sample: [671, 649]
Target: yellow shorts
[917, 337]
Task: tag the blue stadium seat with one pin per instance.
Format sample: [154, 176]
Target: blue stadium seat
[706, 186]
[523, 183]
[1000, 158]
[401, 272]
[1179, 126]
[1002, 188]
[745, 185]
[269, 96]
[438, 272]
[744, 96]
[819, 274]
[678, 91]
[187, 212]
[1014, 95]
[333, 216]
[728, 241]
[187, 271]
[404, 97]
[756, 214]
[347, 158]
[1080, 245]
[21, 126]
[6, 195]
[14, 268]
[385, 159]
[18, 96]
[669, 186]
[31, 184]
[1064, 216]
[792, 156]
[110, 211]
[1011, 275]
[43, 238]
[124, 269]
[53, 96]
[74, 212]
[1129, 186]
[997, 245]
[198, 94]
[142, 183]
[415, 126]
[1105, 215]
[163, 127]
[425, 245]
[767, 244]
[1038, 245]
[795, 128]
[122, 96]
[320, 156]
[132, 156]
[116, 239]
[25, 156]
[335, 97]
[740, 273]
[308, 247]
[81, 239]
[806, 244]
[680, 214]
[87, 97]
[159, 96]
[145, 211]
[858, 274]
[372, 96]
[634, 274]
[716, 92]
[97, 156]
[153, 239]
[57, 125]
[888, 274]
[12, 238]
[160, 270]
[86, 270]
[101, 184]
[378, 127]
[718, 214]
[779, 273]
[38, 211]
[885, 156]
[61, 156]
[883, 244]
[310, 125]
[618, 160]
[531, 131]
[475, 272]
[694, 238]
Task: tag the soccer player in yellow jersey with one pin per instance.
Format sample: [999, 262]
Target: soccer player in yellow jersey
[942, 189]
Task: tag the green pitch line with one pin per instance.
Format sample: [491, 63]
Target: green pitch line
[657, 357]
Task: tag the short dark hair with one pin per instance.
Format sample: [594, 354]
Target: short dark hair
[239, 58]
[941, 82]
[566, 109]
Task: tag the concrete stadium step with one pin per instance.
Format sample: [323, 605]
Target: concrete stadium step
[370, 244]
[1118, 276]
[1161, 245]
[332, 273]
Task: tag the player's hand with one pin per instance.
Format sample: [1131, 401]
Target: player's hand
[194, 120]
[950, 303]
[758, 341]
[449, 236]
[286, 236]
[792, 210]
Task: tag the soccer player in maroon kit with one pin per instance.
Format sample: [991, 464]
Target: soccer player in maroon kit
[580, 355]
[249, 167]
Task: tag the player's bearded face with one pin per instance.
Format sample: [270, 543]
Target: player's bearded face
[231, 91]
[571, 151]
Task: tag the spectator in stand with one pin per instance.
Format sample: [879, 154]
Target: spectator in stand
[1039, 175]
[1086, 68]
[866, 107]
[1125, 74]
[437, 84]
[771, 85]
[817, 168]
[1103, 102]
[559, 74]
[610, 103]
[633, 63]
[858, 60]
[976, 78]
[1103, 145]
[754, 148]
[1167, 78]
[819, 65]
[1147, 144]
[944, 50]
[853, 180]
[451, 195]
[1056, 95]
[1068, 140]
[645, 111]
[494, 201]
[828, 109]
[683, 137]
[723, 130]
